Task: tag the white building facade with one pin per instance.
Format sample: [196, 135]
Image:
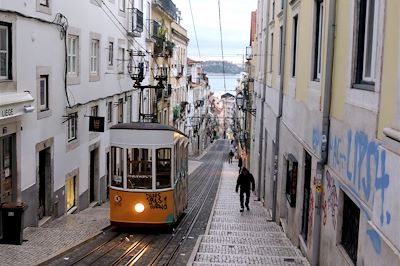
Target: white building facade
[63, 62]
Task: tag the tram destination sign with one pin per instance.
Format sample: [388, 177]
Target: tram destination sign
[96, 123]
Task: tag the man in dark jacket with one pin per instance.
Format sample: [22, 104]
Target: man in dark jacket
[244, 181]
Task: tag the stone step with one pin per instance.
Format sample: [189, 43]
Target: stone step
[274, 251]
[229, 259]
[241, 240]
[269, 227]
[278, 234]
[246, 219]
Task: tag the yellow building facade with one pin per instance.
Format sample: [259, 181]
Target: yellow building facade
[327, 97]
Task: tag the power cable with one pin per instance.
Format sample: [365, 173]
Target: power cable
[194, 28]
[222, 46]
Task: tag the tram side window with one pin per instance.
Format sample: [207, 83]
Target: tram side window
[177, 160]
[117, 162]
[139, 168]
[163, 176]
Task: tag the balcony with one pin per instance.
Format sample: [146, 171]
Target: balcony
[135, 22]
[153, 27]
[168, 7]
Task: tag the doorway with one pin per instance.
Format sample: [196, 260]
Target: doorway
[93, 174]
[306, 199]
[44, 180]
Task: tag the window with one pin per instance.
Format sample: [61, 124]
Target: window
[110, 53]
[366, 42]
[117, 166]
[273, 10]
[291, 180]
[294, 44]
[109, 112]
[281, 48]
[350, 227]
[43, 6]
[163, 168]
[121, 59]
[72, 126]
[271, 55]
[129, 109]
[72, 55]
[121, 5]
[5, 51]
[94, 57]
[44, 2]
[94, 111]
[318, 38]
[43, 93]
[140, 168]
[120, 111]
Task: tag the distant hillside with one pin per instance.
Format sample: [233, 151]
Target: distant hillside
[216, 67]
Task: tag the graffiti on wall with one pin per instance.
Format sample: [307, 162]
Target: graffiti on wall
[155, 201]
[332, 197]
[316, 140]
[361, 161]
[310, 217]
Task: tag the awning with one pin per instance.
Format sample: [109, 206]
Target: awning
[14, 104]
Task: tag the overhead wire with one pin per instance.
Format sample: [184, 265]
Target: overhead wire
[222, 46]
[194, 28]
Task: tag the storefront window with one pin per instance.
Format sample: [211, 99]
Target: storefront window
[6, 168]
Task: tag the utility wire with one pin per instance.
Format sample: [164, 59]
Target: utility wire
[222, 46]
[194, 28]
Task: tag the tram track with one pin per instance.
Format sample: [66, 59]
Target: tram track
[200, 194]
[151, 247]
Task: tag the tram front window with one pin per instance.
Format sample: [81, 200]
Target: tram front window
[139, 168]
[163, 176]
[116, 167]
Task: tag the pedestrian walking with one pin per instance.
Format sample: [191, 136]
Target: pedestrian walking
[245, 181]
[240, 164]
[231, 154]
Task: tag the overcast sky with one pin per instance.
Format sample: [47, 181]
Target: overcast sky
[235, 21]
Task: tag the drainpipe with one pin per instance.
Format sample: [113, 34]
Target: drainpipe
[261, 97]
[279, 117]
[327, 90]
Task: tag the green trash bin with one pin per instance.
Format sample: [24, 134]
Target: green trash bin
[12, 215]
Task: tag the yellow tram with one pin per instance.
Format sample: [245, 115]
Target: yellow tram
[148, 174]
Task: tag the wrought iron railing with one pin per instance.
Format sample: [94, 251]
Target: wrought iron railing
[168, 6]
[135, 22]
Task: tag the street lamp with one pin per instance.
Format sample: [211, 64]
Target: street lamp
[240, 100]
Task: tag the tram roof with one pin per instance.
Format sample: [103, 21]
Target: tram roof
[146, 126]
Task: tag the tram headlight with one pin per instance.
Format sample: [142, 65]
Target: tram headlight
[139, 207]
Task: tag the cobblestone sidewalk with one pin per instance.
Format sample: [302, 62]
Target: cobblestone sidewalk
[235, 238]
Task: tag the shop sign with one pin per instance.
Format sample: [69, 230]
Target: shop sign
[7, 112]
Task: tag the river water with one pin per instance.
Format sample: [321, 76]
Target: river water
[216, 82]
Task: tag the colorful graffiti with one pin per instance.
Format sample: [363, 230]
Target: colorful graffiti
[316, 140]
[362, 162]
[310, 217]
[324, 209]
[332, 197]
